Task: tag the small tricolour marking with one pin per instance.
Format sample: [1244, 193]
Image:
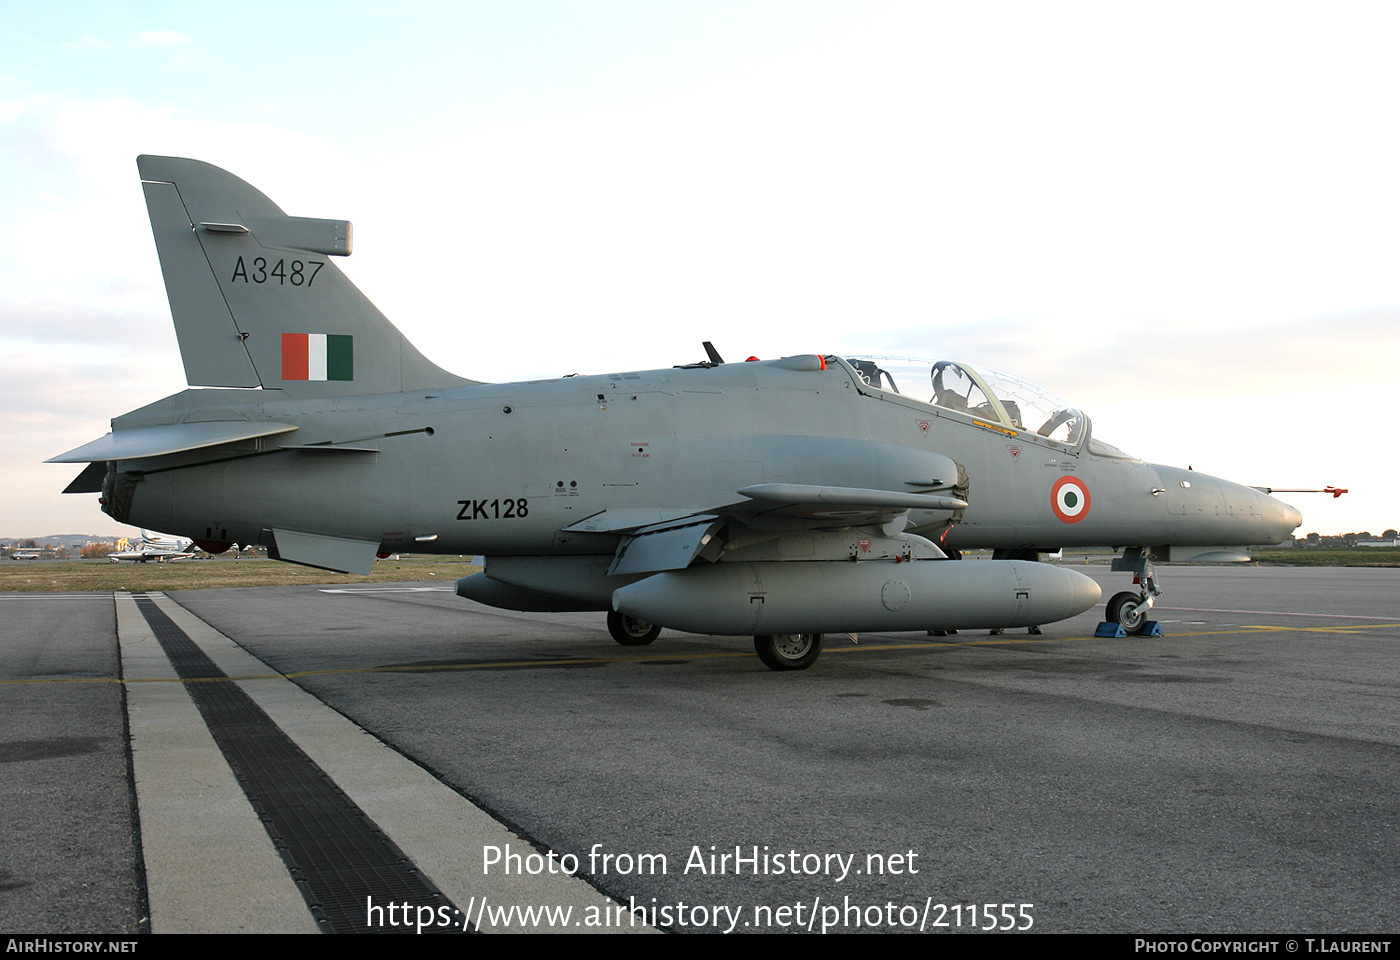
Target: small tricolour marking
[318, 356]
[1069, 498]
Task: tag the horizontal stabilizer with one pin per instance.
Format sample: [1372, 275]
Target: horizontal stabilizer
[140, 442]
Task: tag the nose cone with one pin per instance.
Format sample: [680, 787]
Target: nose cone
[1273, 520]
[1209, 510]
[1280, 519]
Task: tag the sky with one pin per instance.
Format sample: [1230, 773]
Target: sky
[1181, 218]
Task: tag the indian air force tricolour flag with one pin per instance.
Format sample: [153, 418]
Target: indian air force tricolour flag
[318, 356]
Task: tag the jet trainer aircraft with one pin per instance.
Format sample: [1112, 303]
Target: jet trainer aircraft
[782, 499]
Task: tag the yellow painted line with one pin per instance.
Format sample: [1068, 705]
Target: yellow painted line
[17, 683]
[595, 661]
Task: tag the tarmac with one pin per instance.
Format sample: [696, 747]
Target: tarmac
[1240, 774]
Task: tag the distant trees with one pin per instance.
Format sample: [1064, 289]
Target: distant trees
[1346, 539]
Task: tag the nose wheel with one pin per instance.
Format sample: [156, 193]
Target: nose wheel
[1127, 609]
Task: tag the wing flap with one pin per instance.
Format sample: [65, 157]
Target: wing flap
[670, 546]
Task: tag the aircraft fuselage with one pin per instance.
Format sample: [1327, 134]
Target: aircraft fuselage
[506, 469]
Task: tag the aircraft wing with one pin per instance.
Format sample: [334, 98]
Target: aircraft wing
[673, 542]
[846, 505]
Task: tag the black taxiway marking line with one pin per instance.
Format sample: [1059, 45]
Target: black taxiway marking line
[336, 854]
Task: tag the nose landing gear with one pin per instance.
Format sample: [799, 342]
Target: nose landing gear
[1127, 609]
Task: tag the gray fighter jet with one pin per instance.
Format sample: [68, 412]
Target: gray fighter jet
[782, 499]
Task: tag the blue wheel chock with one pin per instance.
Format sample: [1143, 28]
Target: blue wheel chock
[1111, 629]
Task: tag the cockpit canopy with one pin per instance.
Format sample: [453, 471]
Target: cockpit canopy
[981, 393]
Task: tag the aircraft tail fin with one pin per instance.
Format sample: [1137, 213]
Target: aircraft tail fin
[257, 301]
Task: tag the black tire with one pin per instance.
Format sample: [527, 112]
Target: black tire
[789, 651]
[1119, 610]
[631, 632]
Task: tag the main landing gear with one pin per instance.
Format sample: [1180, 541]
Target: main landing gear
[1128, 609]
[784, 651]
[789, 651]
[631, 632]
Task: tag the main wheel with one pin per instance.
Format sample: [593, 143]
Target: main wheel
[1121, 610]
[789, 651]
[631, 632]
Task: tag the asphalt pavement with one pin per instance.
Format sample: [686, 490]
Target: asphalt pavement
[1236, 775]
